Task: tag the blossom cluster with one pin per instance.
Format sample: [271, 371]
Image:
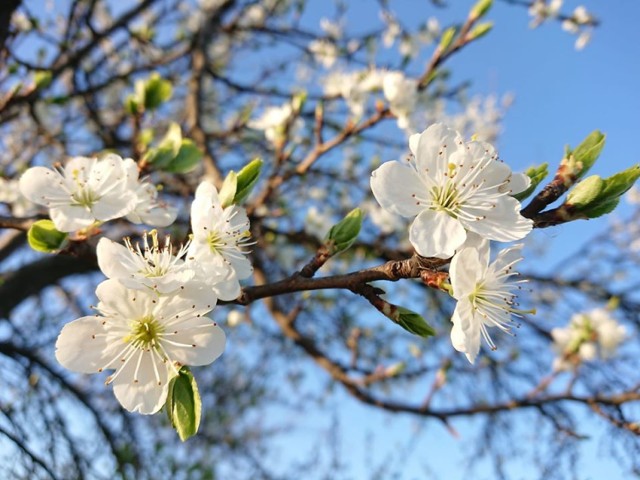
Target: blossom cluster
[461, 196]
[579, 23]
[589, 335]
[89, 191]
[152, 313]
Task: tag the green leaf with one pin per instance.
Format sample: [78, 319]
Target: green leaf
[43, 237]
[186, 160]
[447, 38]
[132, 105]
[611, 190]
[156, 91]
[480, 30]
[414, 323]
[618, 184]
[42, 79]
[168, 149]
[601, 208]
[536, 174]
[184, 406]
[229, 188]
[586, 154]
[246, 180]
[586, 191]
[344, 233]
[480, 8]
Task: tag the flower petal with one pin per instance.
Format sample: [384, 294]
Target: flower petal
[393, 185]
[465, 334]
[436, 234]
[466, 271]
[115, 260]
[143, 383]
[434, 146]
[69, 218]
[199, 342]
[518, 182]
[40, 184]
[502, 223]
[84, 346]
[123, 304]
[114, 205]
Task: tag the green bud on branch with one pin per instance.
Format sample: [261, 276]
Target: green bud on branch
[344, 233]
[184, 405]
[43, 237]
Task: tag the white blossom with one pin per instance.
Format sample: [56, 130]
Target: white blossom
[333, 29]
[324, 52]
[148, 209]
[588, 336]
[402, 95]
[354, 87]
[452, 188]
[220, 237]
[19, 204]
[273, 122]
[144, 338]
[86, 190]
[484, 292]
[152, 267]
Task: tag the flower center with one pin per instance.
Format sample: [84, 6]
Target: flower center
[216, 241]
[446, 198]
[85, 197]
[145, 333]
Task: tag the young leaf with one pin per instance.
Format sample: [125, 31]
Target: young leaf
[228, 190]
[156, 91]
[43, 237]
[480, 30]
[184, 405]
[187, 158]
[447, 38]
[480, 9]
[611, 190]
[536, 174]
[586, 191]
[246, 180]
[344, 233]
[414, 323]
[168, 149]
[586, 154]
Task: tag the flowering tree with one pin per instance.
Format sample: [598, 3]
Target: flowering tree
[166, 206]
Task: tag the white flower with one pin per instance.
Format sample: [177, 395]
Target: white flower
[583, 39]
[324, 52]
[148, 209]
[274, 120]
[19, 204]
[581, 16]
[144, 338]
[484, 294]
[333, 29]
[153, 267]
[253, 16]
[588, 336]
[354, 87]
[402, 95]
[452, 188]
[220, 236]
[84, 191]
